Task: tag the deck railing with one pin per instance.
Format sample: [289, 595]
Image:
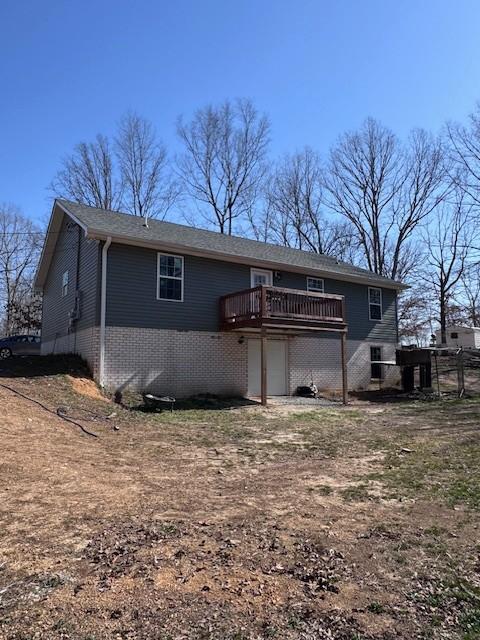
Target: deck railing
[270, 303]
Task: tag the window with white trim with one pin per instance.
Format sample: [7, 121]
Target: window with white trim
[261, 277]
[375, 303]
[169, 277]
[376, 369]
[65, 284]
[315, 284]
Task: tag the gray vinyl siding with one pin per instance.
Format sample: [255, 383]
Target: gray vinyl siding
[132, 290]
[360, 327]
[56, 309]
[89, 283]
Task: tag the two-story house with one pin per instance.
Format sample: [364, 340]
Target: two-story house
[178, 310]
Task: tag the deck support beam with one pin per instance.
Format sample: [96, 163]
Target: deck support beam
[263, 366]
[344, 367]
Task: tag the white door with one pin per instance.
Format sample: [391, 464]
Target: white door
[276, 367]
[260, 276]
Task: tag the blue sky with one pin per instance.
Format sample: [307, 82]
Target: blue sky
[70, 69]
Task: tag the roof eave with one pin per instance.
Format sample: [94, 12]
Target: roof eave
[98, 234]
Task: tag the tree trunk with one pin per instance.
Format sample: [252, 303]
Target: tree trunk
[443, 318]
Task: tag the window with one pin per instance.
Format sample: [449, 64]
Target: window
[315, 284]
[169, 277]
[65, 284]
[375, 303]
[375, 366]
[260, 276]
[454, 335]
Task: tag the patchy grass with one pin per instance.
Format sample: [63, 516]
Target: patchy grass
[358, 493]
[324, 490]
[448, 472]
[376, 607]
[453, 596]
[226, 520]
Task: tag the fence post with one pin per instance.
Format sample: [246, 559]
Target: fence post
[460, 373]
[436, 373]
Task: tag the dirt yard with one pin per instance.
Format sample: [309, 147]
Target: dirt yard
[233, 522]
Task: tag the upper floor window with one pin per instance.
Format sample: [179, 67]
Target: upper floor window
[169, 277]
[64, 284]
[315, 284]
[375, 303]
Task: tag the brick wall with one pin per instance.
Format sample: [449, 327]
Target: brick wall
[85, 343]
[179, 363]
[183, 363]
[320, 358]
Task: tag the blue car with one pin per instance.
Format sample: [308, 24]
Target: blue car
[20, 346]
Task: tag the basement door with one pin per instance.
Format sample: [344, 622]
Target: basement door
[276, 367]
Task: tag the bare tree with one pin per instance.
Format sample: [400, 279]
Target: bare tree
[464, 145]
[469, 294]
[295, 195]
[414, 315]
[25, 311]
[385, 190]
[447, 240]
[456, 314]
[259, 220]
[20, 244]
[148, 188]
[87, 176]
[222, 165]
[297, 207]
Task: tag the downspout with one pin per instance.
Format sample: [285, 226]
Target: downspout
[77, 286]
[103, 312]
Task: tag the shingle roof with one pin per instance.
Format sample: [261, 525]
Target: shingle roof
[101, 223]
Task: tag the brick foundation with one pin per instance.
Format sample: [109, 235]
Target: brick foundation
[319, 358]
[184, 363]
[179, 363]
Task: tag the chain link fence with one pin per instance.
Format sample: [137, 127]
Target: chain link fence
[456, 372]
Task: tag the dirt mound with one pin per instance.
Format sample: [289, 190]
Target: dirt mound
[86, 387]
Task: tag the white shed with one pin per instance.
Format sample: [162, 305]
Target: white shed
[468, 337]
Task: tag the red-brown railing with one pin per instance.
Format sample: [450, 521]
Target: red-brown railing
[263, 303]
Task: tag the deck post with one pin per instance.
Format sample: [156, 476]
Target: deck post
[263, 366]
[344, 367]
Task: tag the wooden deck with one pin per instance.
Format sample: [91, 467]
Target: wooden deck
[276, 307]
